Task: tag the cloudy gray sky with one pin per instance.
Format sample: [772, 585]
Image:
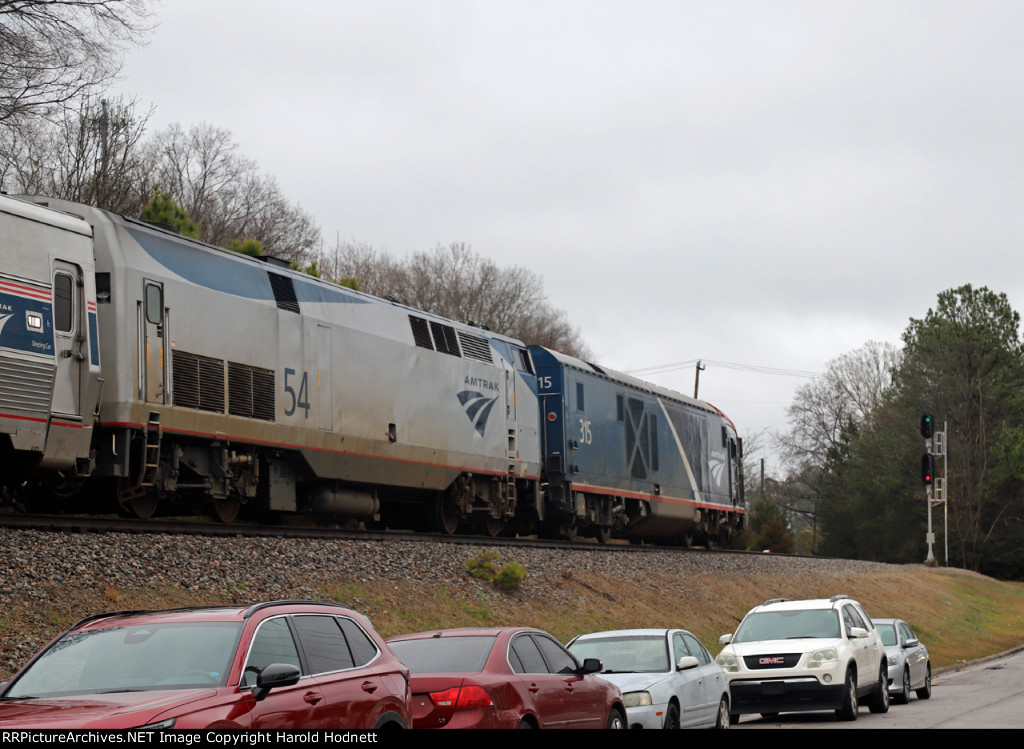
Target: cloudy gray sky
[768, 183]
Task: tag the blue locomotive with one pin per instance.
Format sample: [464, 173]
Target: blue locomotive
[147, 369]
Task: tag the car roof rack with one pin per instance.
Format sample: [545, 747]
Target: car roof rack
[840, 597]
[770, 601]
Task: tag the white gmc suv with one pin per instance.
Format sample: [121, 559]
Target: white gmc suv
[789, 656]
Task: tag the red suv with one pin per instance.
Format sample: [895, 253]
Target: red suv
[285, 664]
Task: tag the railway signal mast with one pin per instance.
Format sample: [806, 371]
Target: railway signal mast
[935, 486]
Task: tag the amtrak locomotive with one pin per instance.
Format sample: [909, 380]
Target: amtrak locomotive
[149, 370]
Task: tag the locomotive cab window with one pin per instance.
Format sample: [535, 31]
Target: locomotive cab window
[154, 304]
[63, 302]
[579, 396]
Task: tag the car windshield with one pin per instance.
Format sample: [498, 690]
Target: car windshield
[444, 655]
[788, 625]
[888, 633]
[626, 653]
[132, 658]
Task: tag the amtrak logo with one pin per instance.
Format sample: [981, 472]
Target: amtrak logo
[3, 321]
[478, 407]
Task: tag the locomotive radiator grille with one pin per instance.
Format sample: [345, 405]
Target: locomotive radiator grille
[250, 391]
[25, 385]
[198, 381]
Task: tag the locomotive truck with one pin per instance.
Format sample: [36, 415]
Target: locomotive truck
[145, 369]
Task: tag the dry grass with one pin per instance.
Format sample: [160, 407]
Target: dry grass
[959, 616]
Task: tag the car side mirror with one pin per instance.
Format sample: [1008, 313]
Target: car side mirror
[858, 632]
[911, 643]
[725, 639]
[592, 666]
[275, 675]
[687, 661]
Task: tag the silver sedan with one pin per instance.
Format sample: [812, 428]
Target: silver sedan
[909, 666]
[667, 678]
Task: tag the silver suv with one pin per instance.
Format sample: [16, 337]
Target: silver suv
[820, 654]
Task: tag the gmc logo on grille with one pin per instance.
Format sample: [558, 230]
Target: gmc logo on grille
[777, 660]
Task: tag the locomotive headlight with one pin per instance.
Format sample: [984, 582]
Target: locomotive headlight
[34, 321]
[728, 662]
[636, 699]
[820, 657]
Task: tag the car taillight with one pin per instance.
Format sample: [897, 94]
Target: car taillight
[470, 696]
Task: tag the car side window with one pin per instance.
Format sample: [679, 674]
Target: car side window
[557, 658]
[324, 645]
[852, 619]
[905, 633]
[697, 650]
[273, 643]
[528, 655]
[363, 648]
[679, 647]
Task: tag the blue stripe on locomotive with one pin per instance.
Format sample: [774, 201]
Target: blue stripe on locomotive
[245, 279]
[612, 435]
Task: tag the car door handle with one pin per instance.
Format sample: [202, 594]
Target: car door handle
[312, 697]
[534, 688]
[369, 686]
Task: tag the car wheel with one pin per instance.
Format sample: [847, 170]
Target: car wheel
[616, 719]
[926, 691]
[849, 709]
[904, 695]
[672, 716]
[524, 723]
[724, 719]
[879, 702]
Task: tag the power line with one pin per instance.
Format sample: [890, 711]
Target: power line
[662, 368]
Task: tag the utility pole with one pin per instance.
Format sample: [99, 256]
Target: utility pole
[696, 382]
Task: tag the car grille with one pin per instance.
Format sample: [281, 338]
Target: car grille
[771, 660]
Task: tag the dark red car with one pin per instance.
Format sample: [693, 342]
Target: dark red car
[504, 678]
[286, 664]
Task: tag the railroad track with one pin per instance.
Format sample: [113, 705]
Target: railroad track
[198, 526]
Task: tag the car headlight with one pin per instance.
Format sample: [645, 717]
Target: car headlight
[893, 660]
[161, 726]
[822, 656]
[728, 661]
[636, 699]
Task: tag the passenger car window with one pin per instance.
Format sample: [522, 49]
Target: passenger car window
[63, 303]
[362, 647]
[323, 644]
[528, 659]
[273, 643]
[558, 660]
[697, 650]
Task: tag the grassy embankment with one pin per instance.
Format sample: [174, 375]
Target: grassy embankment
[958, 615]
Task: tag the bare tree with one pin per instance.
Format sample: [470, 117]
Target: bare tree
[850, 391]
[92, 156]
[456, 282]
[54, 51]
[226, 194]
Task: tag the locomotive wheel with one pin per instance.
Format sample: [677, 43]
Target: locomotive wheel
[603, 534]
[494, 526]
[227, 508]
[137, 501]
[447, 515]
[571, 530]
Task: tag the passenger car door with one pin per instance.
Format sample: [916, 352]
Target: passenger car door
[582, 695]
[711, 680]
[689, 687]
[297, 706]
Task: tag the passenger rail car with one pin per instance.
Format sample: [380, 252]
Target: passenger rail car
[158, 371]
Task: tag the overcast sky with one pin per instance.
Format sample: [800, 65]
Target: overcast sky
[768, 183]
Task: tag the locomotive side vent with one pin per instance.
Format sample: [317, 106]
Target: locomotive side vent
[421, 332]
[445, 339]
[475, 347]
[250, 391]
[284, 292]
[198, 381]
[25, 385]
